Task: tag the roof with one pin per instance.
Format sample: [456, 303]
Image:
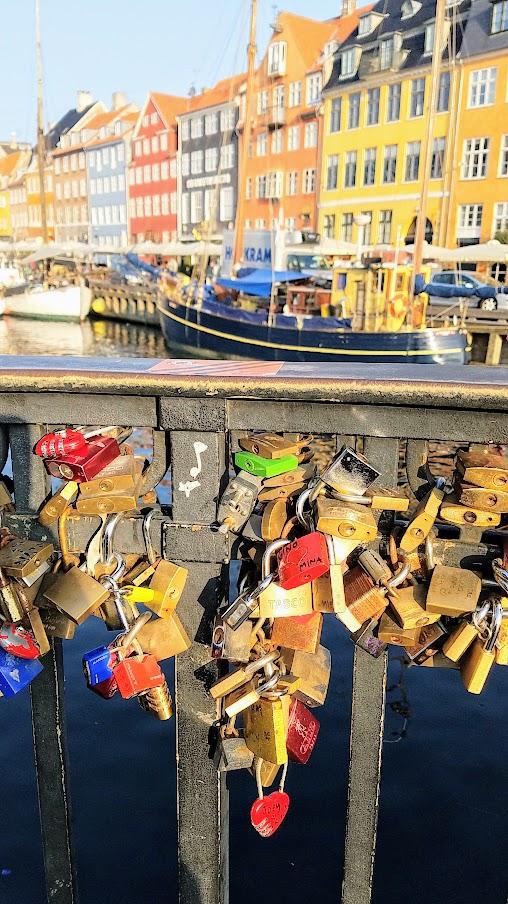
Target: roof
[67, 122]
[223, 92]
[477, 36]
[412, 29]
[10, 162]
[111, 139]
[168, 105]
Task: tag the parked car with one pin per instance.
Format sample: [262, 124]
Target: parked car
[468, 280]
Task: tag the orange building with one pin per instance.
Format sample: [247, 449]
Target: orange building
[33, 200]
[11, 165]
[279, 178]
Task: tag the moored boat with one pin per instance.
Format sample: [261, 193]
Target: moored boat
[57, 303]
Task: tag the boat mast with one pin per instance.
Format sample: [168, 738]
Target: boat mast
[245, 146]
[421, 218]
[41, 145]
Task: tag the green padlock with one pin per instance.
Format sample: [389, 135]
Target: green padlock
[265, 467]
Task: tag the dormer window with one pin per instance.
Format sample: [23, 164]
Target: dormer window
[409, 8]
[330, 48]
[118, 128]
[388, 50]
[429, 38]
[365, 25]
[102, 132]
[277, 58]
[499, 17]
[349, 61]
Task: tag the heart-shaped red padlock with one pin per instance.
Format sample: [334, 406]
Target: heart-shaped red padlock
[18, 641]
[267, 813]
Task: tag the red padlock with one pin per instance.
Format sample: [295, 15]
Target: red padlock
[63, 442]
[106, 689]
[303, 729]
[18, 641]
[86, 462]
[136, 674]
[303, 560]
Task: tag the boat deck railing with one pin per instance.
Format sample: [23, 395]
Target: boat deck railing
[385, 409]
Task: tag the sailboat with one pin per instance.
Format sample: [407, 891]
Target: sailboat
[277, 315]
[42, 301]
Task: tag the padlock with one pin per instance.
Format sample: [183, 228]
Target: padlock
[367, 638]
[430, 641]
[276, 601]
[16, 673]
[348, 472]
[460, 640]
[137, 673]
[56, 624]
[364, 600]
[18, 641]
[264, 467]
[237, 502]
[245, 605]
[115, 501]
[480, 657]
[501, 647]
[485, 500]
[235, 646]
[168, 580]
[385, 499]
[328, 590]
[84, 463]
[232, 751]
[32, 620]
[241, 675]
[302, 561]
[483, 469]
[292, 633]
[54, 507]
[10, 604]
[157, 702]
[390, 632]
[243, 697]
[303, 729]
[313, 669]
[163, 637]
[106, 689]
[122, 475]
[271, 445]
[63, 442]
[77, 594]
[265, 726]
[454, 512]
[252, 529]
[98, 664]
[423, 519]
[267, 813]
[345, 520]
[5, 497]
[301, 475]
[267, 771]
[409, 609]
[453, 591]
[23, 558]
[287, 491]
[273, 519]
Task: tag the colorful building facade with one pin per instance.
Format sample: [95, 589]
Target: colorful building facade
[107, 158]
[153, 183]
[12, 164]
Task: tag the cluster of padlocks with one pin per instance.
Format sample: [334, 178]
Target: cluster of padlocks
[44, 595]
[314, 544]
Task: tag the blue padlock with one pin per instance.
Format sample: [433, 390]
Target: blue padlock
[97, 665]
[16, 673]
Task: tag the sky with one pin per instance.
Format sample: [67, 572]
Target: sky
[124, 45]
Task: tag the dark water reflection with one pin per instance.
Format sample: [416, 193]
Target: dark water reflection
[444, 796]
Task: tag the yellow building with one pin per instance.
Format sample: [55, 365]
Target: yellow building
[10, 166]
[375, 118]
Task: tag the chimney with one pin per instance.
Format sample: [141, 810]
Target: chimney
[119, 100]
[84, 101]
[348, 7]
[14, 141]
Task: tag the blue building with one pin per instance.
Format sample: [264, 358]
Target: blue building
[107, 156]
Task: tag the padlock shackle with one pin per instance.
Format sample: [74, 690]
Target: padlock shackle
[267, 659]
[266, 562]
[500, 574]
[145, 526]
[305, 518]
[127, 638]
[497, 619]
[350, 498]
[107, 539]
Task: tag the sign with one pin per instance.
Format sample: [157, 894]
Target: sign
[257, 249]
[185, 368]
[207, 181]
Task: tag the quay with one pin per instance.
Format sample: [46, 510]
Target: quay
[380, 409]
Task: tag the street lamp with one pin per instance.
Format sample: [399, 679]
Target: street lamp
[361, 220]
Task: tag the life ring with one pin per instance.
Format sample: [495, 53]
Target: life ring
[397, 307]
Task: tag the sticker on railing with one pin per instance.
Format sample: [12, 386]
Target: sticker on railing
[187, 488]
[183, 367]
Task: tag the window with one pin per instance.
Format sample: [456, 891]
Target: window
[329, 226]
[261, 187]
[310, 135]
[123, 213]
[476, 158]
[309, 181]
[65, 164]
[82, 160]
[409, 8]
[121, 182]
[412, 161]
[155, 144]
[156, 205]
[373, 106]
[248, 188]
[386, 51]
[139, 207]
[75, 188]
[500, 217]
[100, 187]
[385, 227]
[369, 166]
[91, 158]
[295, 94]
[57, 167]
[82, 188]
[429, 38]
[335, 113]
[365, 25]
[260, 224]
[503, 156]
[120, 153]
[470, 216]
[196, 127]
[354, 111]
[438, 150]
[154, 119]
[292, 183]
[227, 156]
[74, 163]
[173, 201]
[313, 88]
[113, 158]
[156, 172]
[262, 146]
[185, 126]
[227, 119]
[348, 62]
[211, 123]
[277, 58]
[146, 119]
[263, 102]
[393, 110]
[279, 97]
[185, 209]
[367, 228]
[59, 190]
[499, 17]
[211, 160]
[350, 169]
[347, 227]
[138, 148]
[226, 204]
[277, 139]
[390, 164]
[293, 138]
[147, 174]
[185, 164]
[196, 162]
[443, 97]
[417, 98]
[165, 205]
[139, 177]
[196, 200]
[332, 172]
[208, 199]
[169, 170]
[164, 141]
[482, 87]
[146, 145]
[148, 206]
[290, 223]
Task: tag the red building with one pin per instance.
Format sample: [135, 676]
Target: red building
[153, 200]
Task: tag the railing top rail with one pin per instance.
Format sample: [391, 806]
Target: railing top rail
[379, 384]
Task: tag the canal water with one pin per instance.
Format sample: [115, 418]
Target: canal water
[444, 793]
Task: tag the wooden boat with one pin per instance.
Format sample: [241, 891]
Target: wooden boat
[57, 303]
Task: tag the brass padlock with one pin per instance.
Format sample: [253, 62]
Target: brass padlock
[390, 632]
[164, 637]
[240, 676]
[385, 499]
[298, 633]
[168, 580]
[454, 512]
[364, 600]
[23, 558]
[54, 507]
[409, 607]
[271, 445]
[267, 772]
[32, 620]
[480, 657]
[423, 519]
[245, 696]
[56, 624]
[501, 648]
[232, 751]
[348, 472]
[483, 469]
[485, 500]
[122, 475]
[265, 727]
[157, 702]
[273, 519]
[10, 603]
[286, 491]
[114, 501]
[345, 520]
[328, 590]
[453, 591]
[313, 669]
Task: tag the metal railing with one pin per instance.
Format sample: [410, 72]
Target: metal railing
[185, 403]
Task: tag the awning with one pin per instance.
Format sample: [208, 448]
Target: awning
[260, 282]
